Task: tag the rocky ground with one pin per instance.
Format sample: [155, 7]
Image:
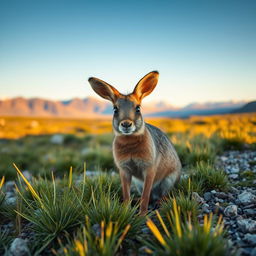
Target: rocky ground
[238, 206]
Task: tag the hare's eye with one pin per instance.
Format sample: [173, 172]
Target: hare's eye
[138, 109]
[115, 110]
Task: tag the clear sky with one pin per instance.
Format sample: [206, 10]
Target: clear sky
[204, 50]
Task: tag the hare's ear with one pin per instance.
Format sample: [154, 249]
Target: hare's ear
[104, 89]
[146, 85]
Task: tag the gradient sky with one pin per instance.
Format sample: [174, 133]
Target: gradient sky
[204, 50]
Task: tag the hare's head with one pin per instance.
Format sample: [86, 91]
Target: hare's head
[127, 117]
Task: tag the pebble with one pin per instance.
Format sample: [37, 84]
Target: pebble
[247, 198]
[207, 196]
[250, 238]
[231, 210]
[57, 139]
[233, 176]
[197, 198]
[19, 248]
[247, 225]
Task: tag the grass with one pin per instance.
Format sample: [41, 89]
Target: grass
[202, 178]
[58, 207]
[210, 177]
[75, 214]
[186, 204]
[186, 238]
[106, 242]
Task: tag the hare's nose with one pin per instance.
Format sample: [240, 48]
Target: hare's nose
[126, 123]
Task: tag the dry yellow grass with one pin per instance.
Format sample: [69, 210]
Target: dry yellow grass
[240, 126]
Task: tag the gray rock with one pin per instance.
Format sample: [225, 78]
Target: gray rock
[251, 239]
[224, 158]
[207, 196]
[57, 139]
[85, 151]
[27, 175]
[197, 198]
[250, 212]
[205, 208]
[234, 190]
[9, 186]
[10, 200]
[231, 210]
[222, 195]
[19, 247]
[247, 198]
[247, 225]
[233, 176]
[234, 170]
[253, 252]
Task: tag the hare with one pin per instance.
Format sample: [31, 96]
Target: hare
[140, 150]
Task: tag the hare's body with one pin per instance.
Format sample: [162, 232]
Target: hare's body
[140, 150]
[135, 154]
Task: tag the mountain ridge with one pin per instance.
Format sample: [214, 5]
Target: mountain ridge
[93, 107]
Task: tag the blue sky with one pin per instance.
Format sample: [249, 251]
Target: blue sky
[204, 50]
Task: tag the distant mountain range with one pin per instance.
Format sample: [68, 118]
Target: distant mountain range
[247, 108]
[92, 107]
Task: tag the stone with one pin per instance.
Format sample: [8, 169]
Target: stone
[10, 200]
[247, 225]
[205, 208]
[224, 158]
[230, 210]
[253, 252]
[234, 190]
[222, 195]
[57, 139]
[250, 212]
[251, 239]
[27, 175]
[247, 198]
[19, 248]
[9, 186]
[207, 196]
[197, 198]
[233, 176]
[234, 170]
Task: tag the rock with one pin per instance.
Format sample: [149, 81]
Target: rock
[27, 175]
[247, 198]
[234, 170]
[222, 195]
[231, 210]
[250, 212]
[205, 208]
[10, 200]
[85, 151]
[253, 252]
[247, 225]
[251, 239]
[224, 158]
[234, 190]
[19, 247]
[57, 139]
[197, 198]
[207, 196]
[233, 176]
[9, 186]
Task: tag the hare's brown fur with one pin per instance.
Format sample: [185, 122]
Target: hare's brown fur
[140, 150]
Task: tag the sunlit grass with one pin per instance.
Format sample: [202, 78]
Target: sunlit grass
[106, 242]
[179, 237]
